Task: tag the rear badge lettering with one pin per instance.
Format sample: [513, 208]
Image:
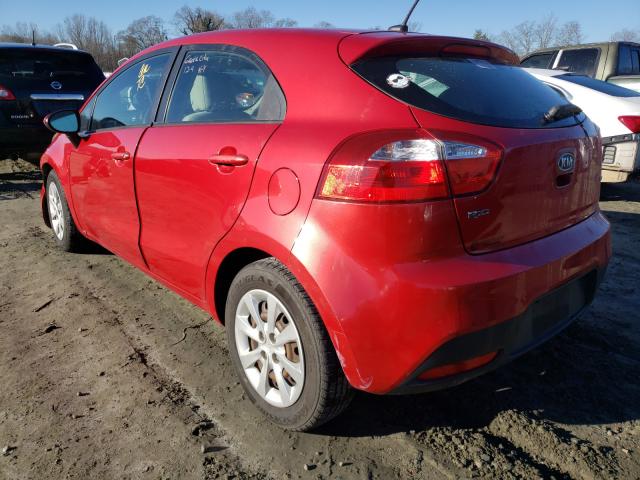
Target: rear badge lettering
[566, 162]
[473, 214]
[397, 80]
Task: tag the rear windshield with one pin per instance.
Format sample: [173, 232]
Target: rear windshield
[472, 90]
[48, 65]
[604, 87]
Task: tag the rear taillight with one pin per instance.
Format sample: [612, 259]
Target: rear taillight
[400, 166]
[632, 122]
[6, 94]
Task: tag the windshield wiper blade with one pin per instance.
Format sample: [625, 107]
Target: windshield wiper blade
[558, 112]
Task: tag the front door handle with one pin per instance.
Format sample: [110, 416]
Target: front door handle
[121, 156]
[228, 160]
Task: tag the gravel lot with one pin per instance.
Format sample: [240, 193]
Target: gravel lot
[95, 382]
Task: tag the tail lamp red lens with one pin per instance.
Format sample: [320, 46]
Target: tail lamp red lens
[6, 94]
[456, 368]
[407, 169]
[632, 122]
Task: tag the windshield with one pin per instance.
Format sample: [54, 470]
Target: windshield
[599, 86]
[49, 65]
[469, 89]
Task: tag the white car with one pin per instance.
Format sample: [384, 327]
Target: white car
[616, 111]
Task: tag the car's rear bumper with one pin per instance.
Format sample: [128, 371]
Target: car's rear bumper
[390, 322]
[543, 319]
[24, 139]
[621, 157]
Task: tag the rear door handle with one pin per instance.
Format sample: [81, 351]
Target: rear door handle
[121, 156]
[228, 160]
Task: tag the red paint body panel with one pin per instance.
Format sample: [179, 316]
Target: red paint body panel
[391, 282]
[103, 190]
[524, 201]
[400, 285]
[186, 203]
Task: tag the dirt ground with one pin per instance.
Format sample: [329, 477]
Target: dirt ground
[95, 382]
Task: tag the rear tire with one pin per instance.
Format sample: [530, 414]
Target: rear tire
[289, 369]
[65, 232]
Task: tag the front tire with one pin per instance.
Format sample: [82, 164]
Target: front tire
[65, 232]
[281, 350]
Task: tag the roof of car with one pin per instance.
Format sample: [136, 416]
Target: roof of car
[37, 46]
[582, 45]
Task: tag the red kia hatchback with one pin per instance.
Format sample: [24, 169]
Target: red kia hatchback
[385, 211]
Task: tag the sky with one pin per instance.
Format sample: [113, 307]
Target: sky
[458, 18]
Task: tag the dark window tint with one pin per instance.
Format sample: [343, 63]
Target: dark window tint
[472, 90]
[542, 60]
[625, 62]
[225, 86]
[635, 58]
[582, 61]
[49, 65]
[130, 98]
[604, 87]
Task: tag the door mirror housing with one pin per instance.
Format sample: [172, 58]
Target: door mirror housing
[63, 121]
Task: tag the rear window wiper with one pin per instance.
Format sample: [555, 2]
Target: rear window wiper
[559, 112]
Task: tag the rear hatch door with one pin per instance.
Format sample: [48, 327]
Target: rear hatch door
[45, 80]
[549, 175]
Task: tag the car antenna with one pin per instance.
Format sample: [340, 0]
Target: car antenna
[33, 37]
[404, 26]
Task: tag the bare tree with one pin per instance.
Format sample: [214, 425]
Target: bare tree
[521, 39]
[324, 24]
[626, 35]
[285, 23]
[546, 31]
[570, 34]
[140, 34]
[481, 35]
[252, 18]
[92, 35]
[23, 32]
[414, 26]
[196, 20]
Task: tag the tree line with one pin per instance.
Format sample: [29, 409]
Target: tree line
[529, 36]
[107, 46]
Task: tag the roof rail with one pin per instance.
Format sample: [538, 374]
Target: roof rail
[66, 45]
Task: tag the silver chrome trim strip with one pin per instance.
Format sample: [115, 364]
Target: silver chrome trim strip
[57, 96]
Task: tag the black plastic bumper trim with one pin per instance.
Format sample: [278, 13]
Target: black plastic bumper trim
[543, 319]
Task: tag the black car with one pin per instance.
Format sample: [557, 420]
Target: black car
[34, 81]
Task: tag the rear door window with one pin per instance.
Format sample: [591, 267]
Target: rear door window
[130, 98]
[66, 67]
[583, 61]
[625, 62]
[540, 60]
[225, 85]
[468, 89]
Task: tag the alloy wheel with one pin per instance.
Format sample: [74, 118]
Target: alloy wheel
[56, 213]
[269, 348]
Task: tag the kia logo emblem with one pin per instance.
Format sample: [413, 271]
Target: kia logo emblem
[566, 162]
[56, 85]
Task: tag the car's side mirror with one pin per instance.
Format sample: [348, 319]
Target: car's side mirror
[63, 121]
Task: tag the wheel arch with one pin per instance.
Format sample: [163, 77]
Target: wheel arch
[229, 267]
[46, 169]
